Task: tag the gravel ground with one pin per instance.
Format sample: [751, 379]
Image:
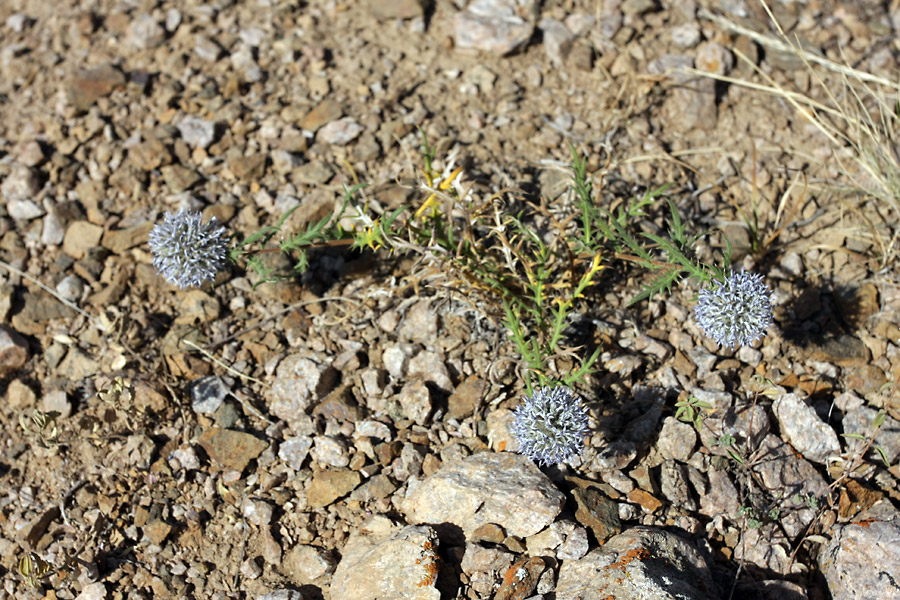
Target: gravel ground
[346, 435]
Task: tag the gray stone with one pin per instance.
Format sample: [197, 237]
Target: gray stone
[54, 230]
[340, 132]
[284, 162]
[428, 366]
[749, 356]
[20, 184]
[14, 352]
[611, 20]
[207, 394]
[704, 360]
[250, 569]
[294, 451]
[781, 469]
[198, 133]
[331, 451]
[862, 560]
[765, 547]
[676, 440]
[396, 359]
[378, 487]
[299, 380]
[641, 562]
[408, 464]
[71, 288]
[92, 591]
[206, 49]
[803, 428]
[580, 23]
[173, 19]
[420, 324]
[686, 36]
[180, 178]
[545, 542]
[284, 594]
[186, 457]
[243, 62]
[399, 564]
[720, 497]
[482, 565]
[792, 264]
[257, 512]
[415, 400]
[496, 26]
[308, 563]
[24, 210]
[501, 488]
[673, 483]
[144, 32]
[17, 22]
[252, 36]
[575, 545]
[77, 365]
[375, 429]
[56, 401]
[557, 40]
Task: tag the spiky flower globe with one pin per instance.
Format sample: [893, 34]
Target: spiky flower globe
[550, 425]
[185, 251]
[736, 311]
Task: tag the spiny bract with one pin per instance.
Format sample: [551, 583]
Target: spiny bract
[736, 311]
[185, 251]
[550, 425]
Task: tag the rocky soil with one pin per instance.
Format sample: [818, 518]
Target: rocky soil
[345, 436]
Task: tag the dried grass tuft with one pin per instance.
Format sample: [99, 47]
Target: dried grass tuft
[859, 115]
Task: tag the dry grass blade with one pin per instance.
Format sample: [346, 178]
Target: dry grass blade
[859, 116]
[785, 46]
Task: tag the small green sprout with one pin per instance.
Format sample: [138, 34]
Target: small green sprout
[43, 426]
[34, 569]
[689, 410]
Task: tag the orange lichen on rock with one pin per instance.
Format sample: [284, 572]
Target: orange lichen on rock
[430, 561]
[864, 523]
[520, 579]
[628, 557]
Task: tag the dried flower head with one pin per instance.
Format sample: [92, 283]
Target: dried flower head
[550, 425]
[736, 311]
[185, 251]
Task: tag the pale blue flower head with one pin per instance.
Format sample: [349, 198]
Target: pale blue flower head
[736, 311]
[550, 425]
[185, 251]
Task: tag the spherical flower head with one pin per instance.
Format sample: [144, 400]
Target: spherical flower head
[550, 425]
[185, 251]
[736, 311]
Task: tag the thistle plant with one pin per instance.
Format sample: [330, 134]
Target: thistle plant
[733, 308]
[520, 263]
[735, 311]
[187, 252]
[550, 425]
